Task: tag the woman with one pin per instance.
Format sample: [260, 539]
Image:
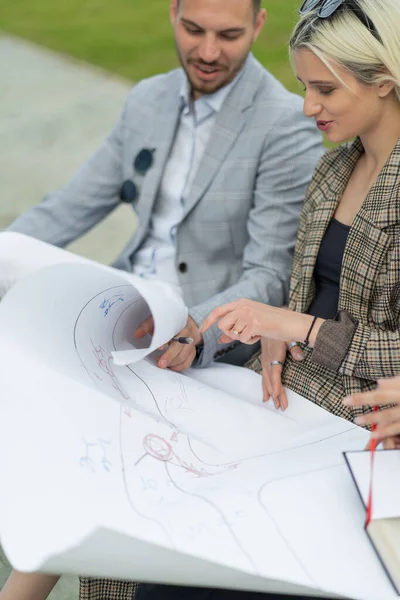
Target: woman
[345, 286]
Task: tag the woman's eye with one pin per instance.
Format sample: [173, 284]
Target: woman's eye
[325, 92]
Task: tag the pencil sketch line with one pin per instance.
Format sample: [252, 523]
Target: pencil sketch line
[114, 287]
[274, 522]
[127, 493]
[140, 459]
[273, 452]
[221, 514]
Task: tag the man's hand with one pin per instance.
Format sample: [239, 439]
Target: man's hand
[177, 357]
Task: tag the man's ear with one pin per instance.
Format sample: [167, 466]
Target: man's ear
[173, 11]
[259, 24]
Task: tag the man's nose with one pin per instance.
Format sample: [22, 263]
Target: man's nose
[209, 50]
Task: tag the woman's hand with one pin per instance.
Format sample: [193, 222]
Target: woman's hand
[272, 350]
[249, 321]
[387, 420]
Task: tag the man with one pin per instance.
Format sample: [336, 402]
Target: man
[214, 158]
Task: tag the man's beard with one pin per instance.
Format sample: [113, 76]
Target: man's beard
[211, 87]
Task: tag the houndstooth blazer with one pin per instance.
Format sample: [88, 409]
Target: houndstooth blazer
[106, 589]
[363, 343]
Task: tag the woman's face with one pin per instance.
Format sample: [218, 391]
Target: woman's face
[341, 111]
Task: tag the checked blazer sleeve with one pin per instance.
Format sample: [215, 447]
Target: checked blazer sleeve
[353, 349]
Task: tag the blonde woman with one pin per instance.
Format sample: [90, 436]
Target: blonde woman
[344, 308]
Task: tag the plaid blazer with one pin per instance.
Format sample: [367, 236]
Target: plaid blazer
[106, 589]
[363, 343]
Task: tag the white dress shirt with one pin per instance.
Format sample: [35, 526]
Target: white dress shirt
[157, 256]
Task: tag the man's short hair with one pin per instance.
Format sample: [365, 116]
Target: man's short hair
[256, 6]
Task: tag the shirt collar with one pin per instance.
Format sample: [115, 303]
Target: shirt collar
[213, 101]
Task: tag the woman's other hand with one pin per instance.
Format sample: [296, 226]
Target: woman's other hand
[387, 420]
[272, 350]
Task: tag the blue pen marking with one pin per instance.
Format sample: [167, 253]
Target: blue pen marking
[104, 461]
[96, 454]
[108, 303]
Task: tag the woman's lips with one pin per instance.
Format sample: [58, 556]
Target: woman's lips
[324, 125]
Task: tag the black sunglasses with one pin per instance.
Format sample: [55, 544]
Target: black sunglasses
[129, 191]
[329, 7]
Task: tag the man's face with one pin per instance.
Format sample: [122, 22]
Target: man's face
[213, 39]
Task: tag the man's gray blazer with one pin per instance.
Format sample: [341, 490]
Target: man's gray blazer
[239, 228]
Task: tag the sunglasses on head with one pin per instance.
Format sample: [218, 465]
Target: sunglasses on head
[328, 7]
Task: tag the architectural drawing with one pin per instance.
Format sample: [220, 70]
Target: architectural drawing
[198, 495]
[177, 464]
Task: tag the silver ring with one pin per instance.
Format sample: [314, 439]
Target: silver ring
[292, 345]
[273, 363]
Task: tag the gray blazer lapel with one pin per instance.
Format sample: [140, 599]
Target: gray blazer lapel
[161, 136]
[228, 125]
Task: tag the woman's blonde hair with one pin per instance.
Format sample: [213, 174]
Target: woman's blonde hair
[373, 57]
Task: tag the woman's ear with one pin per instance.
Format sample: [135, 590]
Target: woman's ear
[385, 88]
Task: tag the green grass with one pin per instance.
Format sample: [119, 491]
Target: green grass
[132, 37]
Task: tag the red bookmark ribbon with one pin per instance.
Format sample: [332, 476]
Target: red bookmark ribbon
[373, 446]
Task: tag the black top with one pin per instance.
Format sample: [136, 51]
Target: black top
[327, 271]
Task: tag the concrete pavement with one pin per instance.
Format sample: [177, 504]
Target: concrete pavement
[54, 112]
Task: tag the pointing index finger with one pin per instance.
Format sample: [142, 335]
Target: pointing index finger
[216, 315]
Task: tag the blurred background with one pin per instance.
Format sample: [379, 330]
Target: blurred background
[66, 67]
[65, 70]
[132, 38]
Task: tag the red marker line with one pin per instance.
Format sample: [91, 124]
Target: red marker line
[373, 446]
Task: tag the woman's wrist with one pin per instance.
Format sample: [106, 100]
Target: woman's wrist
[315, 331]
[290, 325]
[308, 329]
